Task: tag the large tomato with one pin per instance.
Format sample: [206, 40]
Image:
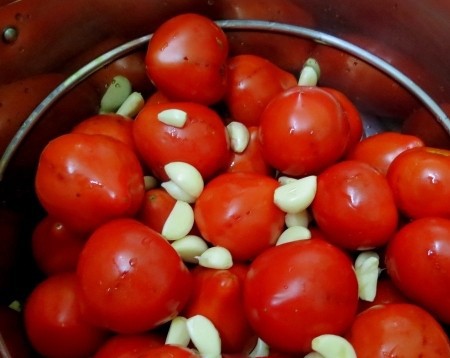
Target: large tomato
[303, 130]
[418, 261]
[85, 180]
[236, 211]
[398, 330]
[299, 290]
[354, 206]
[156, 208]
[420, 182]
[186, 59]
[128, 345]
[131, 278]
[201, 141]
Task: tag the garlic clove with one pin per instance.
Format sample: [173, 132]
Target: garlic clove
[333, 346]
[239, 136]
[190, 248]
[216, 257]
[204, 336]
[179, 222]
[173, 117]
[178, 333]
[296, 196]
[367, 271]
[294, 233]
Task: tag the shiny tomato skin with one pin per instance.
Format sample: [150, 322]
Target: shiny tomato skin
[420, 181]
[379, 150]
[252, 82]
[226, 310]
[186, 59]
[296, 291]
[131, 279]
[128, 345]
[303, 130]
[55, 247]
[398, 330]
[171, 351]
[85, 180]
[418, 262]
[354, 206]
[201, 142]
[54, 321]
[236, 211]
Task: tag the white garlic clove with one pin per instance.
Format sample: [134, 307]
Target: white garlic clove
[302, 218]
[179, 222]
[294, 233]
[283, 180]
[216, 257]
[150, 182]
[173, 117]
[178, 333]
[204, 336]
[297, 195]
[190, 248]
[176, 192]
[261, 349]
[132, 105]
[333, 346]
[186, 176]
[116, 93]
[367, 271]
[239, 136]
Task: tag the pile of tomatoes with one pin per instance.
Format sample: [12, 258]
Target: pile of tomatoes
[117, 281]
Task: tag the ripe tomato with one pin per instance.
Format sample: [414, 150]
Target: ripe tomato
[186, 59]
[171, 351]
[420, 182]
[226, 310]
[303, 130]
[236, 211]
[354, 206]
[156, 208]
[379, 150]
[398, 330]
[252, 82]
[128, 345]
[54, 321]
[85, 180]
[55, 247]
[251, 159]
[418, 261]
[131, 278]
[201, 142]
[299, 290]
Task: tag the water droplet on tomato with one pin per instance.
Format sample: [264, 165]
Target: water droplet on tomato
[133, 261]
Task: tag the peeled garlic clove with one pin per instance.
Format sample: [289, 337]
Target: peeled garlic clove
[186, 176]
[310, 73]
[294, 233]
[179, 222]
[367, 272]
[190, 248]
[261, 349]
[173, 117]
[132, 105]
[314, 355]
[301, 218]
[178, 333]
[116, 93]
[204, 336]
[239, 136]
[176, 192]
[297, 195]
[216, 257]
[150, 182]
[333, 346]
[283, 180]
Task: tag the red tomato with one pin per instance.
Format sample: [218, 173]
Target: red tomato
[55, 247]
[354, 206]
[131, 278]
[186, 59]
[303, 130]
[251, 159]
[418, 261]
[226, 310]
[299, 290]
[85, 180]
[112, 125]
[128, 345]
[157, 98]
[236, 211]
[420, 181]
[380, 149]
[171, 351]
[156, 208]
[54, 322]
[201, 142]
[398, 330]
[252, 82]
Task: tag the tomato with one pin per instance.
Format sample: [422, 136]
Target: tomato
[186, 59]
[156, 208]
[418, 256]
[128, 345]
[55, 247]
[251, 159]
[201, 142]
[303, 130]
[299, 290]
[226, 310]
[397, 330]
[354, 206]
[112, 125]
[380, 149]
[423, 124]
[171, 351]
[236, 211]
[420, 179]
[157, 98]
[85, 180]
[131, 279]
[252, 82]
[54, 321]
